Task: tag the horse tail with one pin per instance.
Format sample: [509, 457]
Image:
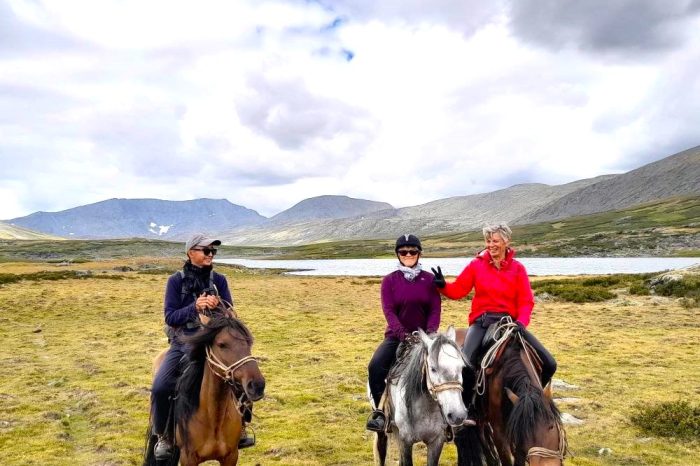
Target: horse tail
[469, 448]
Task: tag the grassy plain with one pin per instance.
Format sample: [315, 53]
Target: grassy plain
[76, 366]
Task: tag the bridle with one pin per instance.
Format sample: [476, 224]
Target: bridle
[546, 452]
[227, 371]
[227, 376]
[433, 388]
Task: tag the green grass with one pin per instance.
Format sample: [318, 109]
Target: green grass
[76, 359]
[670, 419]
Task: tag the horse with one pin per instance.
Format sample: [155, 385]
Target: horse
[208, 407]
[424, 397]
[518, 420]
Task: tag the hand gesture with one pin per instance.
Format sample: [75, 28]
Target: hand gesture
[206, 301]
[439, 278]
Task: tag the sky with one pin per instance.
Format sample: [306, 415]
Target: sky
[267, 103]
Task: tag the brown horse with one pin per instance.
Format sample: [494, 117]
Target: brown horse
[518, 421]
[208, 409]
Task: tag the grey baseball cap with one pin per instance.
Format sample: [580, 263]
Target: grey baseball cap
[200, 239]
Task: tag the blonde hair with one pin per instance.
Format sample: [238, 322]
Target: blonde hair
[500, 228]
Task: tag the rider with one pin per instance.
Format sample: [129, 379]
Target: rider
[502, 288]
[409, 301]
[188, 293]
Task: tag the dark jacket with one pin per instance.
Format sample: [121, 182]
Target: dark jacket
[179, 309]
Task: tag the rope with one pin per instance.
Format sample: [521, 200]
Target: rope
[546, 452]
[506, 326]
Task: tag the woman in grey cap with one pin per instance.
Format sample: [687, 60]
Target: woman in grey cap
[188, 293]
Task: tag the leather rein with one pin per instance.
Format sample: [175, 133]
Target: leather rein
[216, 365]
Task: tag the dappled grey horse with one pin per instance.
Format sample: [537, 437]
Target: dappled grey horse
[424, 397]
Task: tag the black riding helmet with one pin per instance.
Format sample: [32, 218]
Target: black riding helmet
[408, 240]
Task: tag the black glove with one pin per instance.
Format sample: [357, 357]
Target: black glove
[439, 278]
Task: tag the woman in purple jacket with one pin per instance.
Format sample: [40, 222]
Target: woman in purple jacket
[410, 301]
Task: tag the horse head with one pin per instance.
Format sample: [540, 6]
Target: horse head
[534, 425]
[443, 374]
[229, 356]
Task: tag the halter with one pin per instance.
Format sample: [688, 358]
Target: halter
[228, 371]
[215, 363]
[546, 452]
[434, 389]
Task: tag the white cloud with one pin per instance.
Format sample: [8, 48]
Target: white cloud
[266, 103]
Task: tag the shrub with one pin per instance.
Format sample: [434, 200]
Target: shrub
[576, 293]
[671, 419]
[639, 289]
[686, 287]
[606, 281]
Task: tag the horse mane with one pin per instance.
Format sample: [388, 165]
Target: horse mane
[533, 406]
[190, 382]
[412, 371]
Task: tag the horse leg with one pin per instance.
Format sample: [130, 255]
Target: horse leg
[434, 451]
[230, 460]
[381, 441]
[406, 452]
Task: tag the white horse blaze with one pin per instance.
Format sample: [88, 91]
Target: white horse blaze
[451, 362]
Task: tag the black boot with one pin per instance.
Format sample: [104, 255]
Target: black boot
[376, 421]
[245, 441]
[163, 449]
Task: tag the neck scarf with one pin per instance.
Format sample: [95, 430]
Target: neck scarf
[196, 278]
[410, 273]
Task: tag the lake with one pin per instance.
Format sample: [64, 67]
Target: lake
[454, 265]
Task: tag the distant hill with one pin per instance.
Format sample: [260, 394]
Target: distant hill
[327, 207]
[143, 218]
[14, 232]
[677, 175]
[451, 215]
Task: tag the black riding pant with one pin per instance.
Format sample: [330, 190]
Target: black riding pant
[382, 360]
[164, 386]
[472, 349]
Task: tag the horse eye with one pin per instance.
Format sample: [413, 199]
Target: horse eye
[222, 345]
[432, 369]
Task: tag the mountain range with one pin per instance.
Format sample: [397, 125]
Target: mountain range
[332, 218]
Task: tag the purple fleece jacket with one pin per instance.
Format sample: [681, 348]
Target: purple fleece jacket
[409, 306]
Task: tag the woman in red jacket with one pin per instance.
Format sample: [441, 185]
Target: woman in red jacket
[501, 287]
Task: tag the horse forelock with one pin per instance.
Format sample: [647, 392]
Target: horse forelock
[190, 382]
[533, 407]
[443, 345]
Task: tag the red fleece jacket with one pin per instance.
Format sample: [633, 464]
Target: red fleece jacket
[505, 290]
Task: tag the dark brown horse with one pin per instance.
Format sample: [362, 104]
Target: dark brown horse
[208, 408]
[518, 421]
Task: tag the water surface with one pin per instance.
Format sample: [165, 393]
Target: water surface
[454, 265]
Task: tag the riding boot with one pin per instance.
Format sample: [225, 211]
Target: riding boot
[163, 449]
[376, 421]
[469, 379]
[245, 441]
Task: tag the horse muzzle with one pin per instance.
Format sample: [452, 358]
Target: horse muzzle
[255, 389]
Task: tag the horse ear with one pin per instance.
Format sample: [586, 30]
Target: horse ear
[548, 391]
[424, 337]
[512, 396]
[451, 333]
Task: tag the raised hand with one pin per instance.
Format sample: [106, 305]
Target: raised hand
[439, 278]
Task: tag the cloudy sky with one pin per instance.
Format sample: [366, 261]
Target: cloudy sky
[266, 103]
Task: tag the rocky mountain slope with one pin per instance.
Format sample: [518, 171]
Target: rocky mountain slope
[676, 175]
[143, 218]
[327, 207]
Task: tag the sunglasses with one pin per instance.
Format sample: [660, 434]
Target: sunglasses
[412, 252]
[206, 251]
